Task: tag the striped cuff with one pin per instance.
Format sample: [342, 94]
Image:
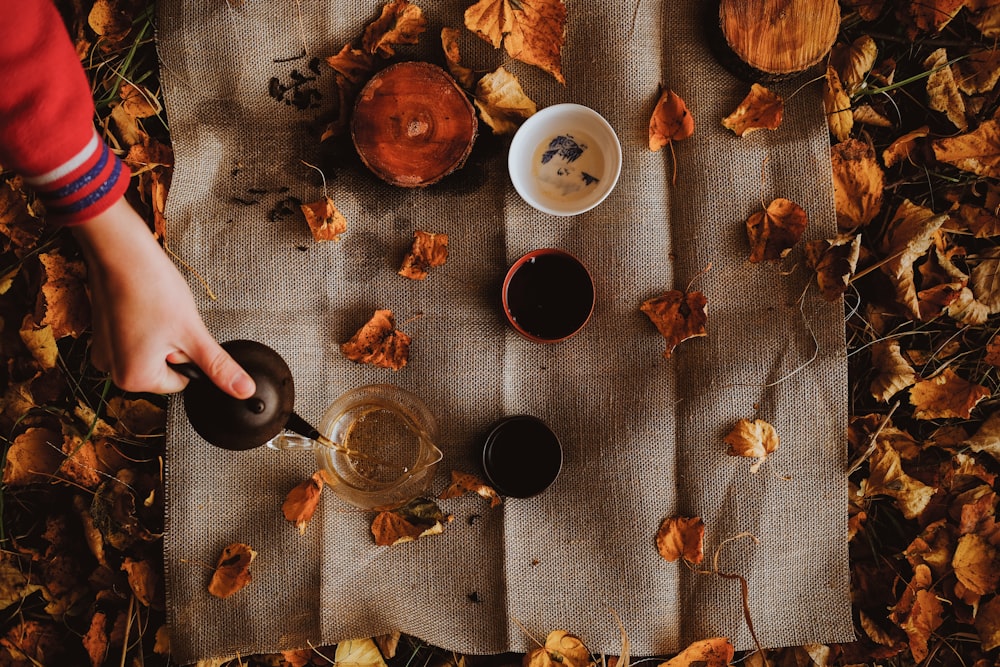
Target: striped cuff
[84, 186]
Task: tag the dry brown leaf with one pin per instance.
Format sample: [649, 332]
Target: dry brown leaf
[532, 31]
[502, 103]
[144, 580]
[714, 652]
[834, 261]
[903, 146]
[681, 537]
[453, 58]
[325, 221]
[388, 644]
[671, 120]
[975, 564]
[978, 72]
[908, 237]
[868, 10]
[886, 478]
[858, 183]
[677, 316]
[401, 22]
[560, 648]
[987, 623]
[40, 341]
[63, 298]
[429, 249]
[946, 396]
[137, 101]
[463, 483]
[358, 653]
[985, 280]
[232, 572]
[868, 116]
[301, 502]
[378, 343]
[919, 612]
[931, 16]
[837, 103]
[942, 91]
[110, 21]
[761, 109]
[773, 231]
[33, 458]
[418, 518]
[977, 152]
[355, 65]
[986, 18]
[752, 439]
[894, 371]
[980, 221]
[987, 437]
[854, 61]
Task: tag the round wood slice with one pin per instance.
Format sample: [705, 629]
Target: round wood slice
[777, 39]
[413, 125]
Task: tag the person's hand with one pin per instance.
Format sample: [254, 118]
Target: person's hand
[143, 311]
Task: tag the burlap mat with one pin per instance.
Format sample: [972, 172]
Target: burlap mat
[642, 435]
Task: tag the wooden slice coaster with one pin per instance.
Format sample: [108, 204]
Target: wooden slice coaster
[413, 125]
[771, 40]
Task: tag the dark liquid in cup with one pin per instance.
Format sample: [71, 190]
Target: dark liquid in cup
[521, 456]
[550, 296]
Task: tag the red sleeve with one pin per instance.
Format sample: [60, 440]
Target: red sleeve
[47, 116]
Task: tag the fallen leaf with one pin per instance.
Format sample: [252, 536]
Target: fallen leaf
[975, 564]
[773, 231]
[379, 343]
[677, 316]
[868, 10]
[63, 303]
[401, 22]
[919, 612]
[532, 31]
[301, 502]
[358, 653]
[761, 109]
[931, 16]
[837, 103]
[887, 478]
[942, 91]
[137, 101]
[977, 152]
[418, 518]
[40, 341]
[903, 146]
[429, 249]
[144, 580]
[894, 372]
[463, 483]
[987, 623]
[946, 396]
[985, 279]
[986, 19]
[324, 219]
[987, 437]
[14, 584]
[671, 121]
[387, 644]
[33, 457]
[232, 572]
[714, 652]
[908, 236]
[453, 58]
[560, 648]
[867, 115]
[355, 65]
[978, 72]
[853, 62]
[110, 22]
[981, 222]
[681, 537]
[834, 261]
[502, 103]
[752, 439]
[858, 183]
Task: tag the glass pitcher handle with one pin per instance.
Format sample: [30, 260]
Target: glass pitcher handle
[289, 441]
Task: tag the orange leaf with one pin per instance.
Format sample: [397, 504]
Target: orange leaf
[418, 518]
[33, 457]
[942, 90]
[300, 503]
[355, 65]
[760, 110]
[774, 230]
[975, 564]
[64, 295]
[834, 262]
[886, 478]
[677, 316]
[400, 23]
[532, 31]
[908, 237]
[325, 222]
[671, 120]
[144, 580]
[379, 343]
[977, 152]
[946, 395]
[681, 537]
[561, 649]
[429, 250]
[752, 439]
[919, 612]
[232, 572]
[858, 183]
[463, 483]
[714, 652]
[894, 372]
[453, 58]
[903, 146]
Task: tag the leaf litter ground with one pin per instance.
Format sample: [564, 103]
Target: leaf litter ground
[912, 102]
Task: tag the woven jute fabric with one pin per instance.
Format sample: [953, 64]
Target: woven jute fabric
[642, 434]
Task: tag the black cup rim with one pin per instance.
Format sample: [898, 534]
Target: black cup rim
[521, 261]
[489, 440]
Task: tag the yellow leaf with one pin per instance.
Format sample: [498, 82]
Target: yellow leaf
[401, 22]
[760, 109]
[837, 103]
[854, 62]
[752, 439]
[681, 537]
[977, 152]
[975, 564]
[532, 31]
[858, 183]
[903, 146]
[40, 342]
[886, 478]
[894, 372]
[358, 653]
[942, 91]
[502, 102]
[945, 396]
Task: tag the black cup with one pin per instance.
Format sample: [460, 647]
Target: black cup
[548, 295]
[521, 456]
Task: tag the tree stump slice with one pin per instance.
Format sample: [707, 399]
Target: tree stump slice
[777, 39]
[413, 125]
